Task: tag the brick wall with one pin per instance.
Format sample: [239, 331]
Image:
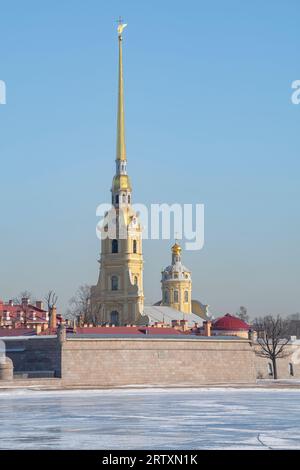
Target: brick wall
[145, 361]
[35, 354]
[108, 362]
[283, 367]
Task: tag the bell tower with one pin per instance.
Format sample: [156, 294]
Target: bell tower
[118, 297]
[176, 283]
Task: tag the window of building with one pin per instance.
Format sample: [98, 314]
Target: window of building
[114, 317]
[166, 297]
[176, 296]
[175, 276]
[128, 198]
[117, 199]
[136, 280]
[134, 246]
[114, 246]
[270, 369]
[291, 369]
[186, 295]
[114, 283]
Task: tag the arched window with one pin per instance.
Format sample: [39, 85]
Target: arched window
[176, 297]
[128, 198]
[186, 295]
[117, 199]
[114, 283]
[114, 246]
[114, 317]
[291, 369]
[134, 246]
[166, 297]
[136, 280]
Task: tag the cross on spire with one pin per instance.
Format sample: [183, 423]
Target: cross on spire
[121, 26]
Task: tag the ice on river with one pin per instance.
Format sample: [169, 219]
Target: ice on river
[210, 418]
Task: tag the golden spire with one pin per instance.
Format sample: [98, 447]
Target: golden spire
[121, 148]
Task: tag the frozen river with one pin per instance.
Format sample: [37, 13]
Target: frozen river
[208, 418]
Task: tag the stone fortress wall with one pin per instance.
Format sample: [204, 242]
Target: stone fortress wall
[112, 361]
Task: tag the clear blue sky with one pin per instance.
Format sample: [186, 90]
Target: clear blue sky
[208, 119]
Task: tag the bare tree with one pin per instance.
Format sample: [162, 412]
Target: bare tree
[26, 294]
[50, 300]
[243, 314]
[272, 340]
[80, 304]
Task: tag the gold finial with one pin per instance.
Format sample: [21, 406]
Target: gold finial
[121, 147]
[176, 249]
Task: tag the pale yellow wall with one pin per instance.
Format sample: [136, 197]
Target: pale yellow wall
[181, 286]
[128, 300]
[240, 334]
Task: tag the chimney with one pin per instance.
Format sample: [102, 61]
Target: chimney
[11, 303]
[53, 319]
[184, 325]
[39, 304]
[25, 301]
[207, 328]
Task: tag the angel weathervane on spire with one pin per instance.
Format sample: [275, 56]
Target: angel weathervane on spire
[121, 26]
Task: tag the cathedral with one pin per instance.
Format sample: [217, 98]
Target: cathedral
[118, 297]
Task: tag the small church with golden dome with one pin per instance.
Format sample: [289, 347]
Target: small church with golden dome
[118, 296]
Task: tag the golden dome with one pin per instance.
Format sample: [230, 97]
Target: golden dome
[121, 182]
[176, 249]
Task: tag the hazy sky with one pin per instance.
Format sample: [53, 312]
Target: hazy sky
[209, 119]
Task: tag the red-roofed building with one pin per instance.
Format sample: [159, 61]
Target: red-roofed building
[228, 325]
[23, 316]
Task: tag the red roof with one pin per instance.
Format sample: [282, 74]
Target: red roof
[29, 311]
[17, 332]
[160, 331]
[230, 323]
[127, 330]
[109, 330]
